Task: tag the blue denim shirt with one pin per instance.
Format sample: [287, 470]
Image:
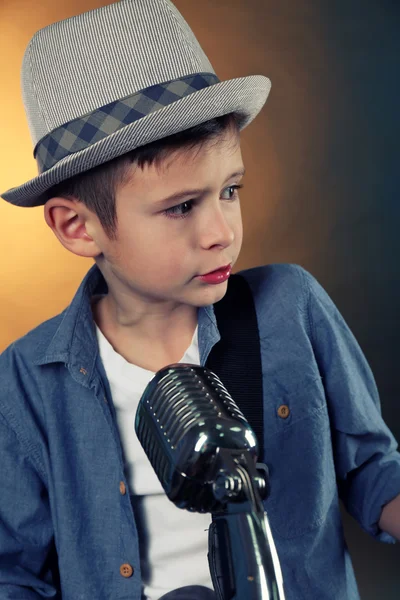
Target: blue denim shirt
[67, 528]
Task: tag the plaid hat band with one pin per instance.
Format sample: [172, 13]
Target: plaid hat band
[89, 129]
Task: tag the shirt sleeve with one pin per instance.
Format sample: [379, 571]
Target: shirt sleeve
[26, 537]
[365, 451]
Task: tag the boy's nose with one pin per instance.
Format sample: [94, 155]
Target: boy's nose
[216, 230]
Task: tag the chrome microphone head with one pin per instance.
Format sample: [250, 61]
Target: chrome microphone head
[184, 417]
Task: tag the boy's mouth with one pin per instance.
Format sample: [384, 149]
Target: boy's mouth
[223, 268]
[217, 276]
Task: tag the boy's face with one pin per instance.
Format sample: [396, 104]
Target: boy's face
[162, 246]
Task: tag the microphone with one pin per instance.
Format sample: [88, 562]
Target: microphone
[204, 453]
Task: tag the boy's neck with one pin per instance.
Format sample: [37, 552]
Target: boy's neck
[152, 340]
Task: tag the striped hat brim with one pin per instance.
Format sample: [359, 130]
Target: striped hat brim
[245, 95]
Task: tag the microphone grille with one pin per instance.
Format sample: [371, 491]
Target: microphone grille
[184, 415]
[180, 395]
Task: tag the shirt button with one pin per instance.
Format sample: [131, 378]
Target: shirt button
[283, 411]
[126, 570]
[122, 488]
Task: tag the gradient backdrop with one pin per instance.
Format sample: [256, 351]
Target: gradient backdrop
[321, 188]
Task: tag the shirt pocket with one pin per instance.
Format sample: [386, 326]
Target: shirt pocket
[298, 452]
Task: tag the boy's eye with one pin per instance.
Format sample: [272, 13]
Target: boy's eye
[234, 193]
[180, 211]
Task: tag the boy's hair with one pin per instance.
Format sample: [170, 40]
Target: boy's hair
[96, 188]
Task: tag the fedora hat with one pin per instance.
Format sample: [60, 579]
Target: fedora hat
[107, 81]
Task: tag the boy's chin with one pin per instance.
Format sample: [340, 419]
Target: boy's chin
[211, 294]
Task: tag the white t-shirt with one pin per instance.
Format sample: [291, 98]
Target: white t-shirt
[173, 542]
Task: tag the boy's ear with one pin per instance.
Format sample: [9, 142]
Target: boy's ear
[69, 220]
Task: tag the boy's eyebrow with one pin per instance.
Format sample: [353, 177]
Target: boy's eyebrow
[195, 192]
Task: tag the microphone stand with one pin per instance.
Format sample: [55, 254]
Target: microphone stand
[242, 556]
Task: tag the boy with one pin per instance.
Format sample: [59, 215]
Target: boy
[138, 149]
